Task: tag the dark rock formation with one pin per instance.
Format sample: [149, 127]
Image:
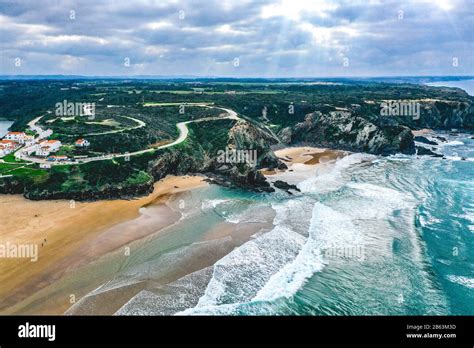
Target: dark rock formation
[422, 151]
[343, 130]
[111, 192]
[282, 185]
[425, 140]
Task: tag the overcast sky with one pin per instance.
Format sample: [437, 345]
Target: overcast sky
[237, 38]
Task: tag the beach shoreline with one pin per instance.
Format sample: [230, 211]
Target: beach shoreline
[69, 236]
[98, 230]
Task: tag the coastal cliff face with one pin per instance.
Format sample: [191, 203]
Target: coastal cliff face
[343, 130]
[109, 192]
[437, 114]
[367, 131]
[10, 185]
[247, 137]
[446, 114]
[243, 136]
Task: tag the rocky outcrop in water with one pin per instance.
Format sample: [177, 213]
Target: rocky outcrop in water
[422, 151]
[282, 185]
[425, 140]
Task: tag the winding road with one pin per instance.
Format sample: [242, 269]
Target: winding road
[182, 128]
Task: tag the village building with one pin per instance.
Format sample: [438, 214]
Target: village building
[47, 147]
[16, 136]
[28, 140]
[7, 146]
[59, 158]
[82, 143]
[4, 150]
[9, 143]
[30, 149]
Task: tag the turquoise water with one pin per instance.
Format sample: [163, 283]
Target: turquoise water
[409, 221]
[367, 235]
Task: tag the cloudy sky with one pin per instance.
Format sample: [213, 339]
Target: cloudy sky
[237, 38]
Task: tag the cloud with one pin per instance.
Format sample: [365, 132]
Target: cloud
[270, 38]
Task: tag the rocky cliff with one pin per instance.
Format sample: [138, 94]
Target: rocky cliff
[344, 130]
[243, 136]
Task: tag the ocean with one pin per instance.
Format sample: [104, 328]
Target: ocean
[367, 235]
[467, 85]
[4, 125]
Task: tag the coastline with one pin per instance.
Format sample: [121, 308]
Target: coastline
[300, 160]
[308, 155]
[71, 236]
[96, 231]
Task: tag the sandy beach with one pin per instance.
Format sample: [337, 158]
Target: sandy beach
[295, 157]
[71, 235]
[73, 238]
[421, 132]
[308, 155]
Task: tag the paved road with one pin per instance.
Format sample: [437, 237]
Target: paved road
[183, 134]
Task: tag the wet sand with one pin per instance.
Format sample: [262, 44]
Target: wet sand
[80, 240]
[69, 236]
[161, 274]
[421, 132]
[308, 155]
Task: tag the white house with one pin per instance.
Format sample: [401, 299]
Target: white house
[42, 151]
[16, 136]
[31, 149]
[7, 146]
[48, 146]
[4, 150]
[28, 140]
[82, 143]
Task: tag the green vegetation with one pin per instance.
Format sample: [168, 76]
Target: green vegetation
[175, 104]
[270, 106]
[12, 159]
[5, 168]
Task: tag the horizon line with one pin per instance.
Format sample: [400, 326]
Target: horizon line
[184, 76]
